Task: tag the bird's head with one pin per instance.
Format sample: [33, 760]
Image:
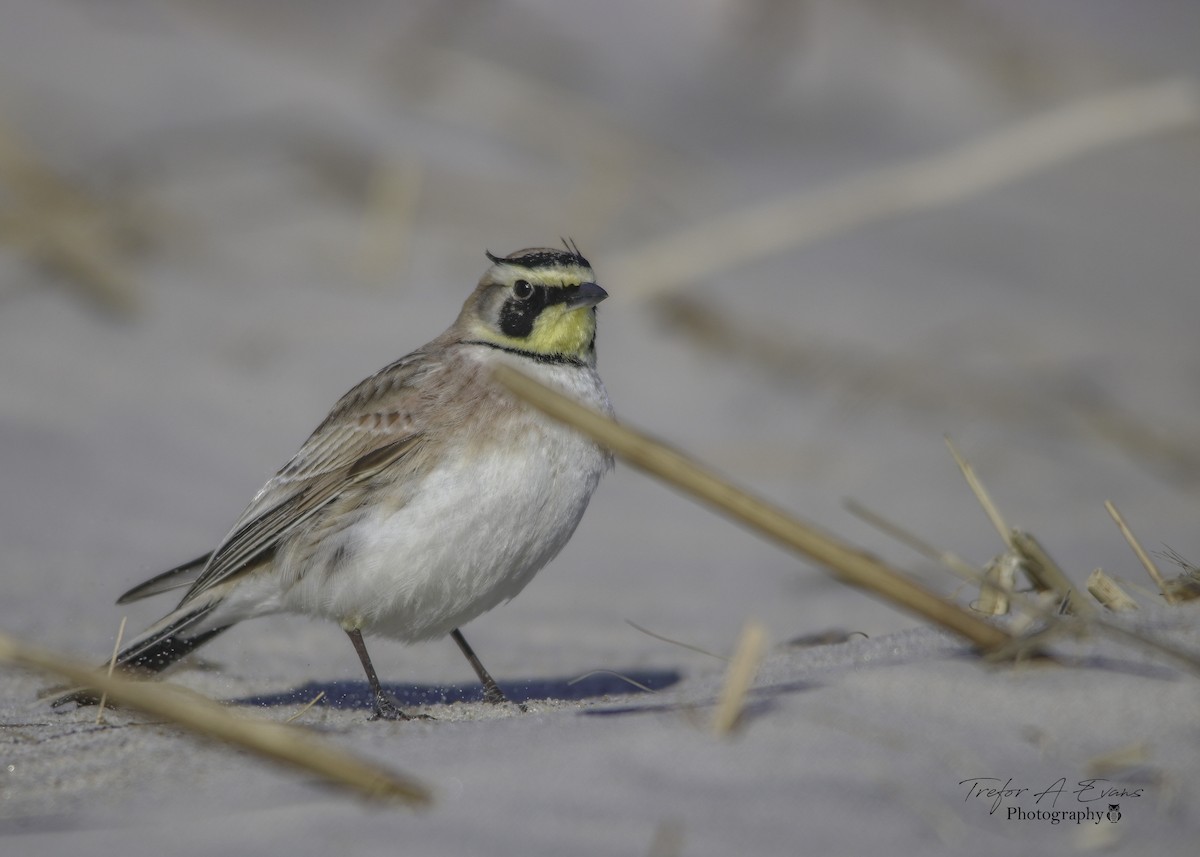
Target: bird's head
[539, 301]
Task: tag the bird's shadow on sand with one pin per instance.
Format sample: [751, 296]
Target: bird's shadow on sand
[356, 695]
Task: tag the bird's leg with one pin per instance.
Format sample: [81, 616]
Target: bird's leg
[385, 707]
[491, 691]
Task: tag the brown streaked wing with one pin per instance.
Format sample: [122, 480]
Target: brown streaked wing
[374, 425]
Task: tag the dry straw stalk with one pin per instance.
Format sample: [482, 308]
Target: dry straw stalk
[845, 562]
[290, 745]
[1105, 590]
[739, 677]
[1140, 552]
[1033, 145]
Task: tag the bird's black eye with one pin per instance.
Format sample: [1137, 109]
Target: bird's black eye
[522, 290]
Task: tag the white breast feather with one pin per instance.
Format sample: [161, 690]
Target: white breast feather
[478, 530]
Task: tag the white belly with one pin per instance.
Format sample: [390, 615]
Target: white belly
[475, 533]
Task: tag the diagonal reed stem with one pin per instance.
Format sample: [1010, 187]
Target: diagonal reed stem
[291, 745]
[845, 562]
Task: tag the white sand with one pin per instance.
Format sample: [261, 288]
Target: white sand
[1049, 326]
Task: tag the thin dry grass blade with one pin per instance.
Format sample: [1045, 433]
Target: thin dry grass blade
[290, 745]
[1046, 574]
[847, 563]
[949, 559]
[733, 240]
[1147, 563]
[679, 643]
[306, 707]
[1042, 571]
[981, 494]
[743, 667]
[1055, 622]
[112, 665]
[644, 688]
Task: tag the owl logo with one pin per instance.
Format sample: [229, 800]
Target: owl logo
[1114, 812]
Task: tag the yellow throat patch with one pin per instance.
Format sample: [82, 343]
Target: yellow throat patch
[557, 330]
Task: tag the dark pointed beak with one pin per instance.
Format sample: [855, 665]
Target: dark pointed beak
[586, 294]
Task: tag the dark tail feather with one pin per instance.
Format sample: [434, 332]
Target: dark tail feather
[166, 651]
[153, 653]
[175, 578]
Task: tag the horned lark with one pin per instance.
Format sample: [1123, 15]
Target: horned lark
[426, 497]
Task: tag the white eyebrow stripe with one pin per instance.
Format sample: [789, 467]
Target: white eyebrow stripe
[572, 275]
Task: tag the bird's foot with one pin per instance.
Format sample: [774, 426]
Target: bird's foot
[493, 695]
[387, 709]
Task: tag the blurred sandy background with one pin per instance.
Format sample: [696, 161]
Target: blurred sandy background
[832, 233]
